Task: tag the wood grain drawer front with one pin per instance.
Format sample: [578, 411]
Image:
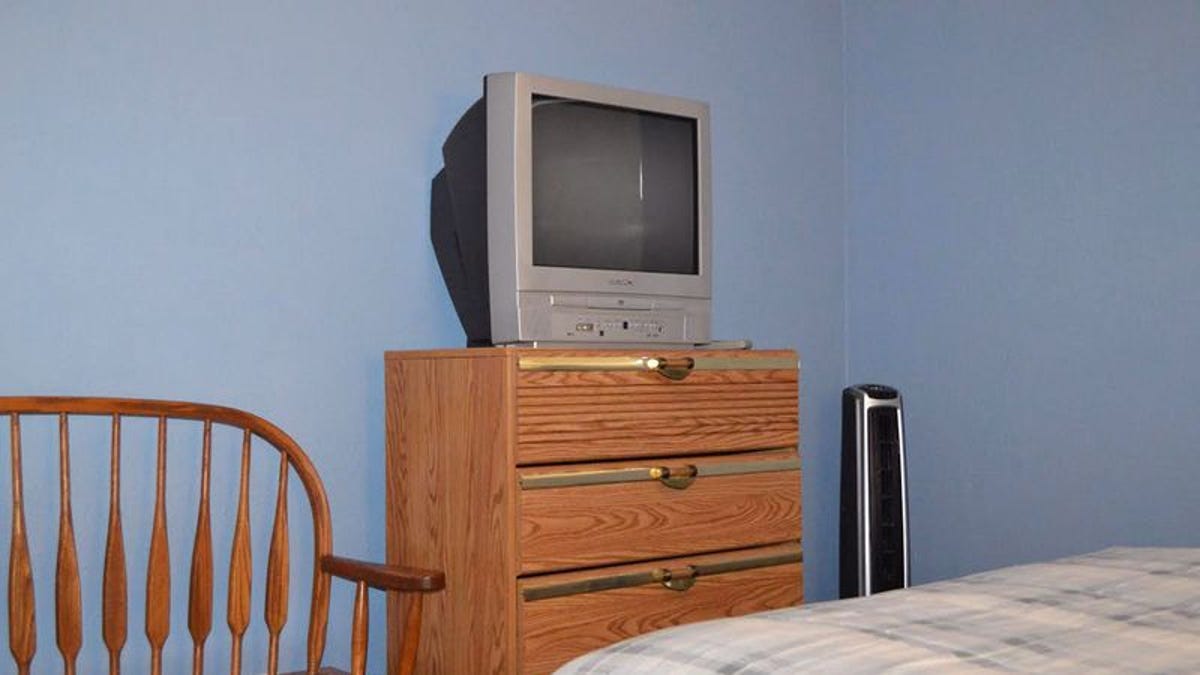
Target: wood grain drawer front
[561, 618]
[572, 409]
[573, 517]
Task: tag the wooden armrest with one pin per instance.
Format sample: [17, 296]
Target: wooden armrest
[384, 577]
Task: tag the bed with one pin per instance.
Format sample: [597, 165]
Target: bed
[1117, 610]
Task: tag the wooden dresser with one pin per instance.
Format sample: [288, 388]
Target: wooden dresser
[576, 498]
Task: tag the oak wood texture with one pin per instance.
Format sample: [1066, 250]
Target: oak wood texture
[463, 428]
[115, 610]
[237, 607]
[384, 577]
[358, 635]
[67, 603]
[641, 520]
[70, 603]
[158, 566]
[450, 507]
[22, 626]
[412, 629]
[276, 610]
[565, 416]
[556, 630]
[200, 581]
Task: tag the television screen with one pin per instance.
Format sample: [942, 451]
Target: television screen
[613, 188]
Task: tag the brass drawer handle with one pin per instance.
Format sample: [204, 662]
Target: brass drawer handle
[533, 480]
[676, 581]
[672, 369]
[677, 480]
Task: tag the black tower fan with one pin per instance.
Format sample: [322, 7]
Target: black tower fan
[874, 514]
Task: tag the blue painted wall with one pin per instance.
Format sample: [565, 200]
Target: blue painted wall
[1024, 263]
[229, 202]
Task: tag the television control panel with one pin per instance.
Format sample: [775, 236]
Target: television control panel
[611, 327]
[618, 320]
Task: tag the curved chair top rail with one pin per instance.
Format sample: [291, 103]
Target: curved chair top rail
[68, 611]
[137, 407]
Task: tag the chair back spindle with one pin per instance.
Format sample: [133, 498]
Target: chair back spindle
[67, 603]
[114, 597]
[158, 566]
[238, 606]
[358, 635]
[22, 628]
[277, 571]
[200, 585]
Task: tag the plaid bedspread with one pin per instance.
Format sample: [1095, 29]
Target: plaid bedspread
[1126, 610]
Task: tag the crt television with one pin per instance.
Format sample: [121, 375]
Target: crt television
[570, 213]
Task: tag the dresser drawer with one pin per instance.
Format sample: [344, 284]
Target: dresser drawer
[572, 408]
[565, 615]
[628, 511]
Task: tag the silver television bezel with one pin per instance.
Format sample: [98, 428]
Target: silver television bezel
[509, 99]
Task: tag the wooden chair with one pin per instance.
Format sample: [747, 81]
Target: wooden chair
[69, 617]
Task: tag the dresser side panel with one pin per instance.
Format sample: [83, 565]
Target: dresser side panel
[450, 504]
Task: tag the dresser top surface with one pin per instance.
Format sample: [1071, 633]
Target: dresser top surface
[516, 352]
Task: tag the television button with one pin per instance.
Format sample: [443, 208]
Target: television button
[569, 301]
[601, 302]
